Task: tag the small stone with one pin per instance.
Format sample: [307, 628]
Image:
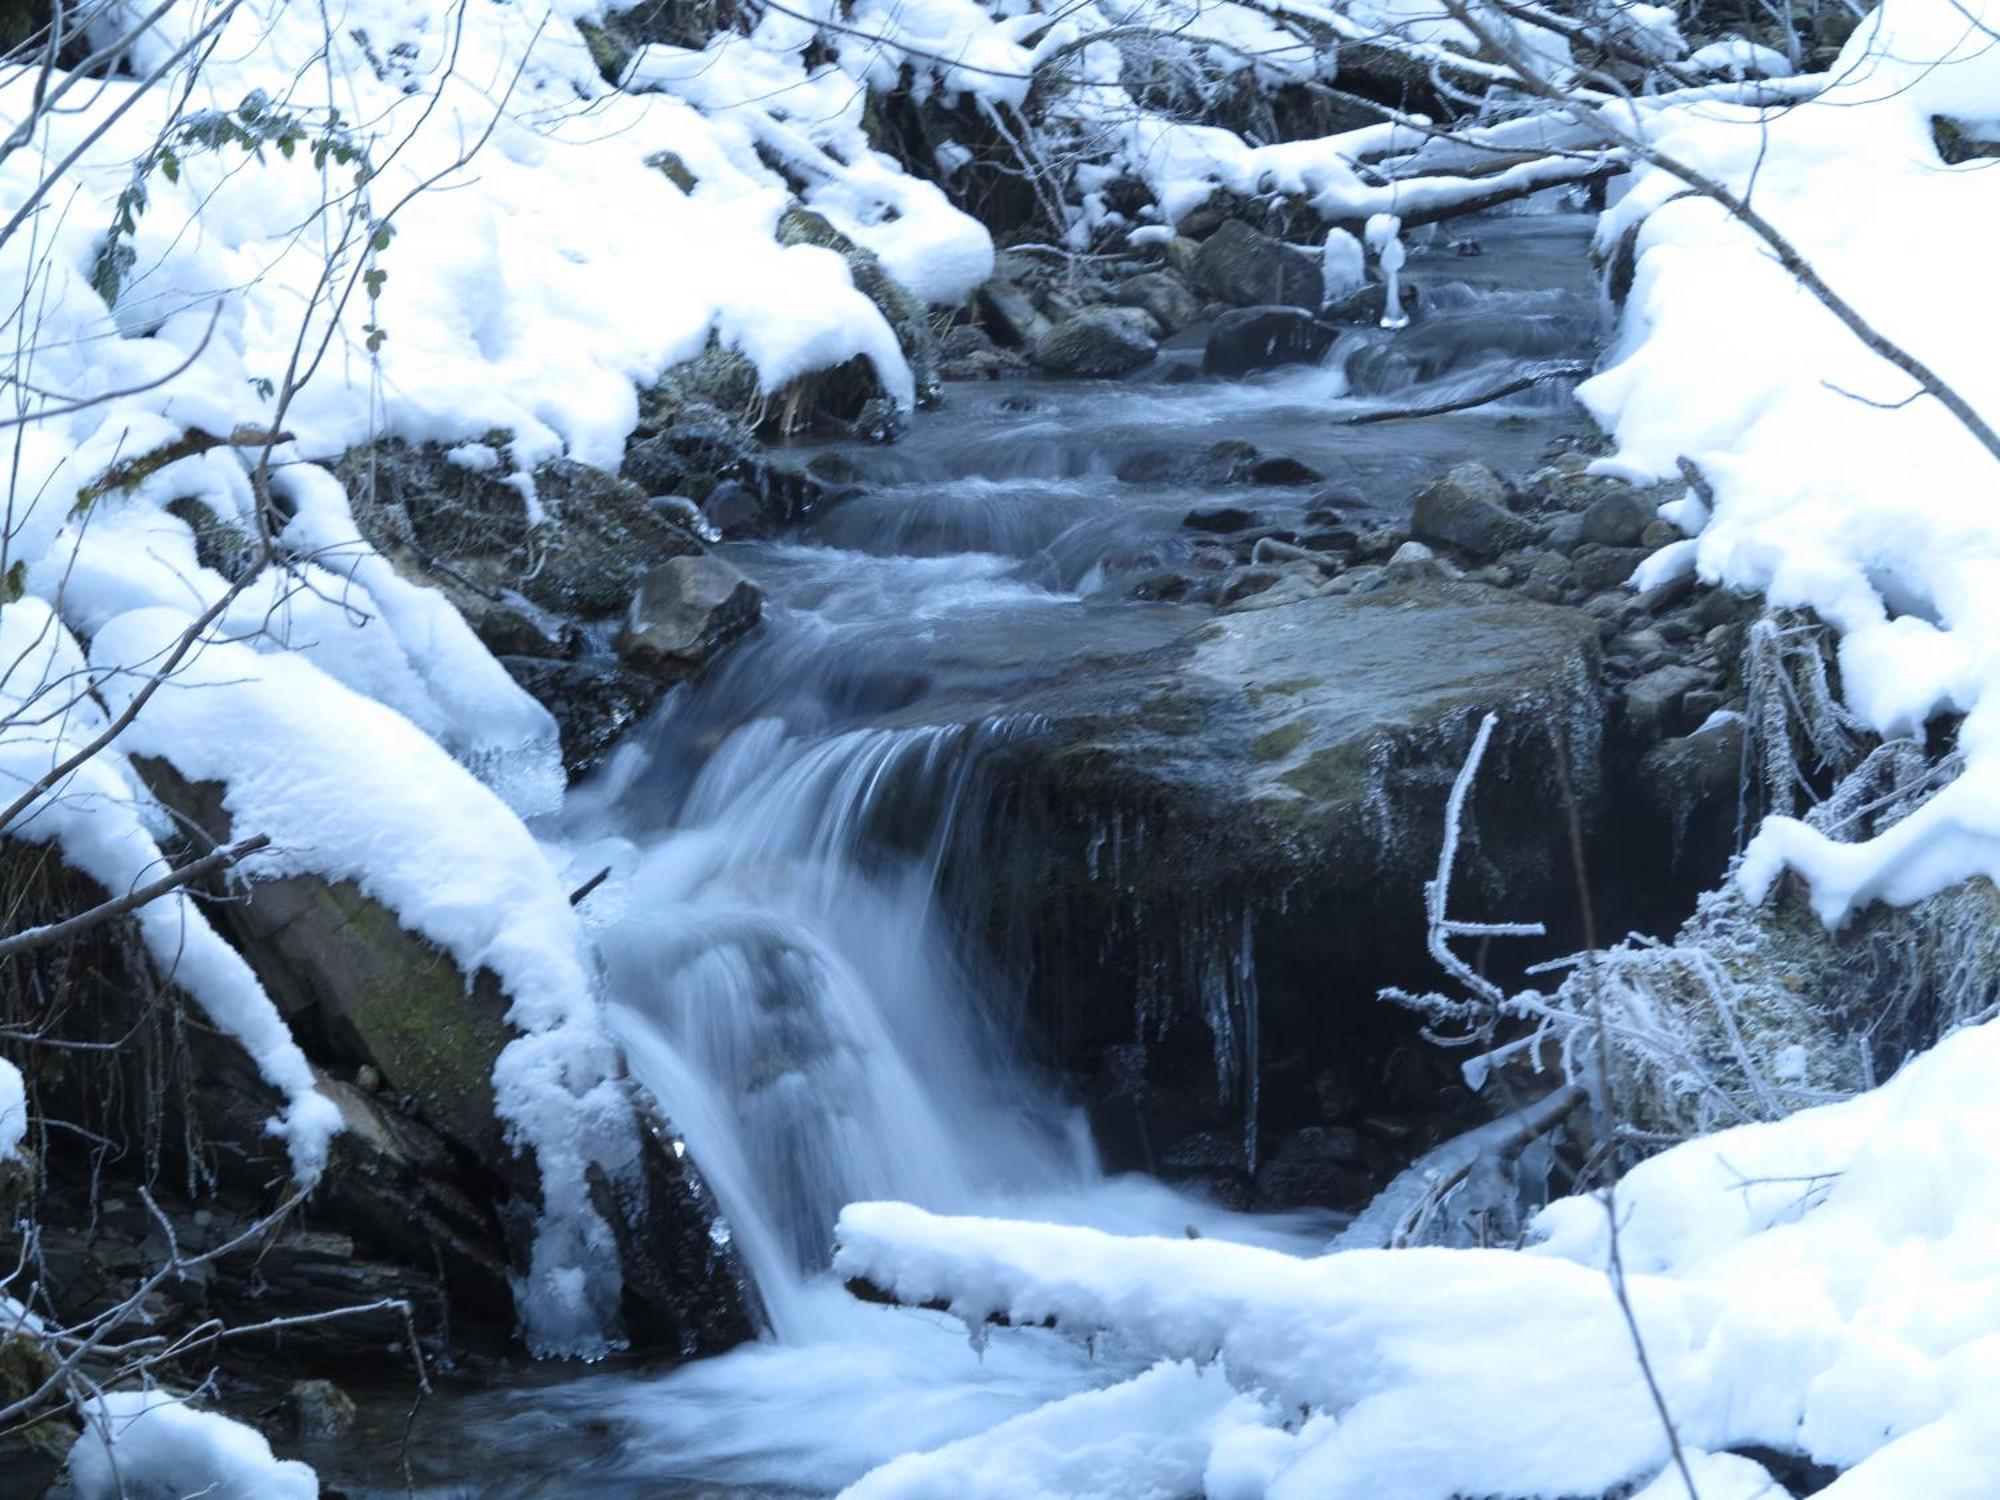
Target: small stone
[683, 612]
[1467, 509]
[1283, 472]
[1606, 567]
[1220, 518]
[1656, 704]
[317, 1409]
[1565, 534]
[1103, 342]
[368, 1078]
[1244, 582]
[1617, 519]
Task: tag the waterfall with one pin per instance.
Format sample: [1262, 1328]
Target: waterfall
[782, 980]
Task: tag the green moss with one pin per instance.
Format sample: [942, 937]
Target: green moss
[431, 1034]
[1278, 743]
[1338, 774]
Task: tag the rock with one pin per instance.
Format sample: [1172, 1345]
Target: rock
[1364, 305]
[1241, 265]
[317, 1409]
[1306, 747]
[1280, 471]
[1617, 519]
[1564, 534]
[1098, 343]
[35, 1447]
[1263, 338]
[1312, 1167]
[1220, 518]
[1653, 704]
[1659, 533]
[595, 701]
[1692, 782]
[1162, 295]
[1011, 315]
[1227, 462]
[1467, 509]
[904, 312]
[467, 532]
[1413, 561]
[1606, 567]
[683, 612]
[426, 1169]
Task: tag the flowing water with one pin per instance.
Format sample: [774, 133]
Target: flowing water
[779, 969]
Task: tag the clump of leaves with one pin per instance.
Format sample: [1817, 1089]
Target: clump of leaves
[256, 126]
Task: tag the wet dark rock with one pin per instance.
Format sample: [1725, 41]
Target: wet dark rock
[1162, 586]
[1098, 343]
[1303, 748]
[1243, 266]
[1220, 518]
[1693, 786]
[595, 701]
[1244, 582]
[1264, 338]
[1467, 510]
[1280, 471]
[1617, 519]
[683, 612]
[1314, 1166]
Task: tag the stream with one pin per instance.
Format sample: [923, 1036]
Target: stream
[780, 968]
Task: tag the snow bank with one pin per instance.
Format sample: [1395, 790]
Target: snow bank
[1838, 488]
[348, 789]
[149, 1445]
[1821, 1285]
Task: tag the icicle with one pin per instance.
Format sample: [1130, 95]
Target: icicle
[1383, 233]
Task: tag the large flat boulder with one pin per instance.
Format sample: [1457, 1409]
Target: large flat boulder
[1213, 851]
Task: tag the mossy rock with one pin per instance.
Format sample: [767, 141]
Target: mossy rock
[35, 1448]
[471, 535]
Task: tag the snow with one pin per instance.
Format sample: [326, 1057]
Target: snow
[1820, 1285]
[149, 1445]
[348, 789]
[1835, 490]
[13, 1111]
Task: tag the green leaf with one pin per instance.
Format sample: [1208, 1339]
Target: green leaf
[17, 581]
[170, 166]
[383, 234]
[373, 279]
